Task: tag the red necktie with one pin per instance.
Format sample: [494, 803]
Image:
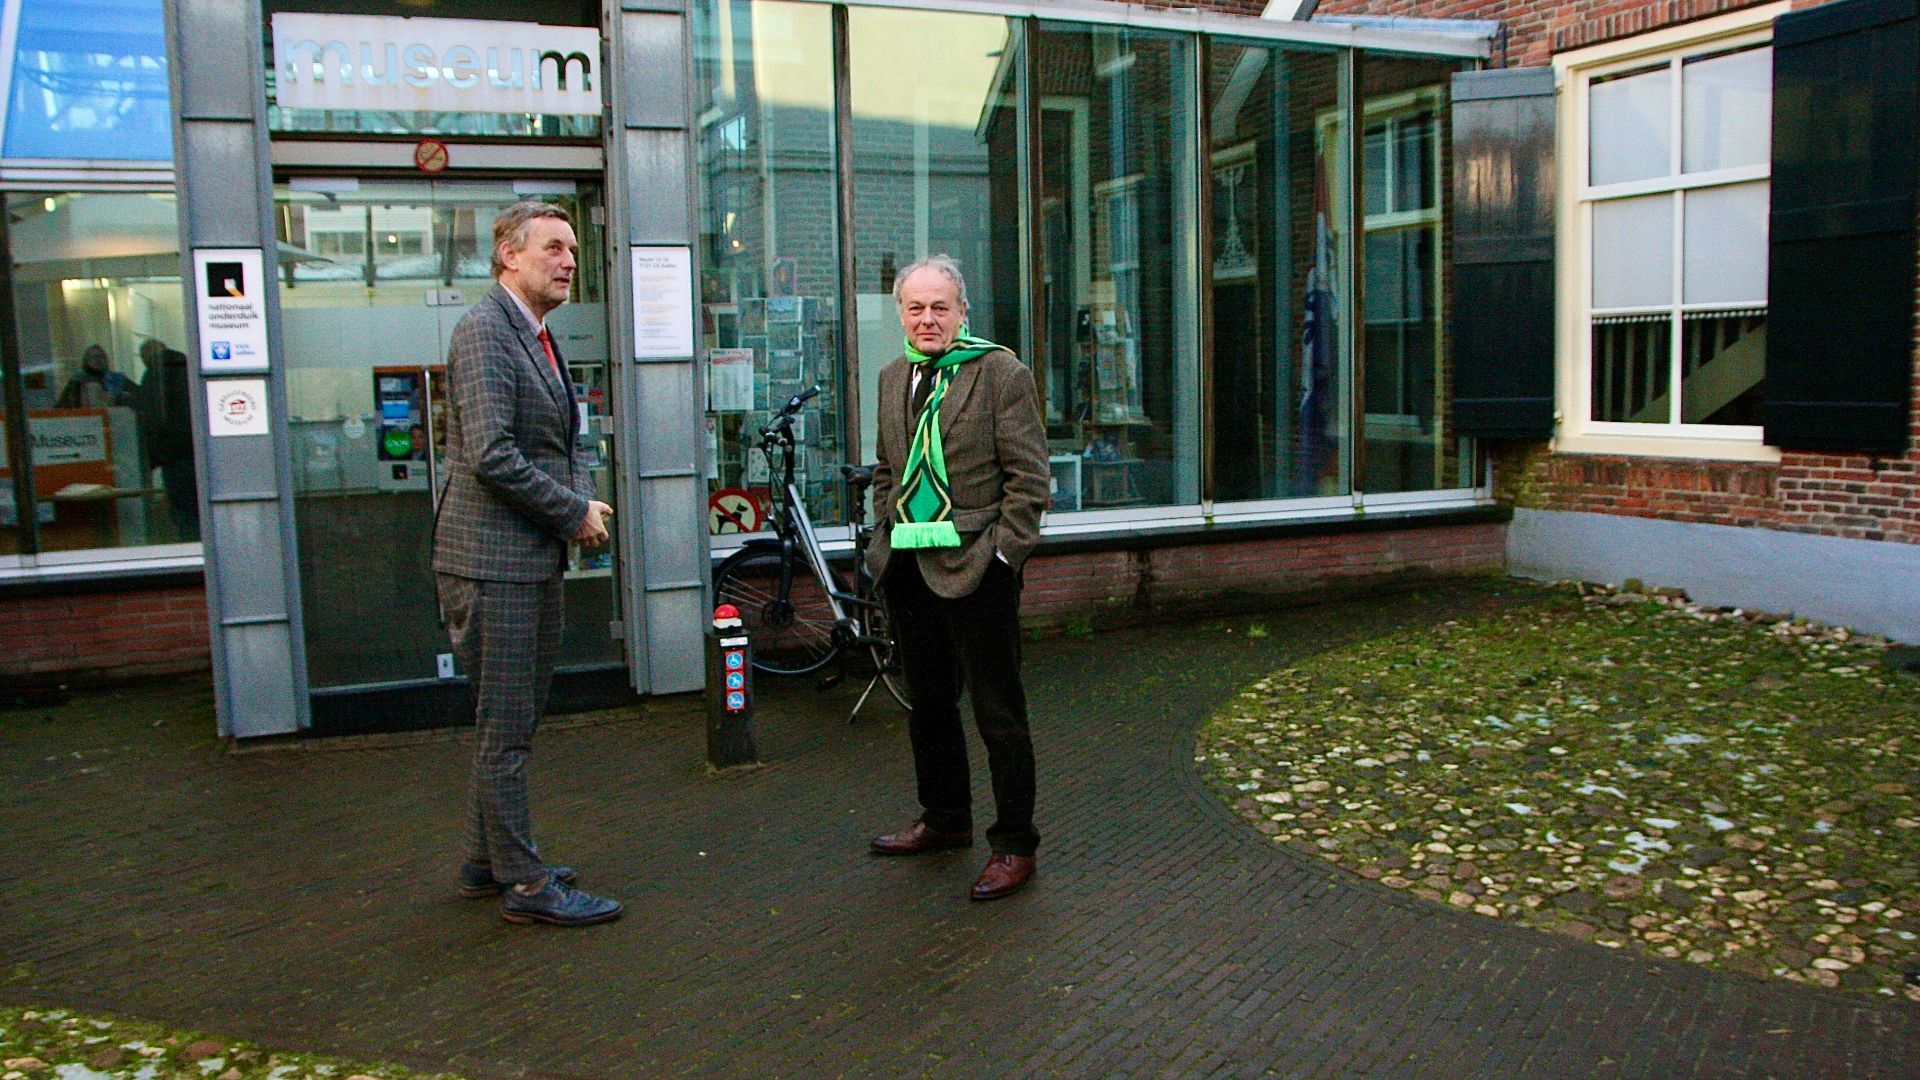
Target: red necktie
[546, 342]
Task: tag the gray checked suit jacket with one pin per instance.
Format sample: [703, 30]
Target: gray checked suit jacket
[516, 488]
[997, 472]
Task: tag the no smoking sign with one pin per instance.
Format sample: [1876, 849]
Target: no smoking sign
[430, 155]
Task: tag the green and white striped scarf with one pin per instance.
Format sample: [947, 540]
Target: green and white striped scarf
[923, 511]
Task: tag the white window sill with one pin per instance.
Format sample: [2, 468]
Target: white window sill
[1692, 447]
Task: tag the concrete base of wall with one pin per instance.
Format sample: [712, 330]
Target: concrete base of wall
[1867, 585]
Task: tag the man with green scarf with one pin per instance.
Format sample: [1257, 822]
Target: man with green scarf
[961, 484]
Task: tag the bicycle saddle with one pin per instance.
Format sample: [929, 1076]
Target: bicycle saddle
[859, 476]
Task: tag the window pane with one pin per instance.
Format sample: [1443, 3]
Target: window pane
[1278, 290]
[99, 308]
[1723, 367]
[1726, 111]
[937, 170]
[90, 81]
[1409, 446]
[1633, 252]
[1726, 244]
[364, 363]
[1122, 370]
[1414, 160]
[1630, 120]
[769, 217]
[1373, 171]
[1632, 368]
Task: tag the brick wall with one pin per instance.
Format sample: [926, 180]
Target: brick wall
[1846, 495]
[1111, 588]
[112, 635]
[1535, 31]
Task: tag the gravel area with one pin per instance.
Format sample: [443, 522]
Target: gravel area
[62, 1044]
[1723, 787]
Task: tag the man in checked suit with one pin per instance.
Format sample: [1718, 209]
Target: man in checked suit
[961, 483]
[518, 491]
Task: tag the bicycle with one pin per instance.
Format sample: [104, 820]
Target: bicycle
[794, 604]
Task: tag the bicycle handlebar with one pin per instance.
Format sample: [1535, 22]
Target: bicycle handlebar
[783, 420]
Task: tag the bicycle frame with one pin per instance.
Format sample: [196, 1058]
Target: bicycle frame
[794, 528]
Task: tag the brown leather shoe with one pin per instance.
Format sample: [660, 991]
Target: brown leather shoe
[919, 837]
[1003, 875]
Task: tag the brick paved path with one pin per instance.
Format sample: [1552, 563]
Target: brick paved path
[303, 899]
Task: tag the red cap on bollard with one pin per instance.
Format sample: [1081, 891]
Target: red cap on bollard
[725, 611]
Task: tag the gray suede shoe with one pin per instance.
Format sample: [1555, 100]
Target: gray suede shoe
[558, 904]
[476, 879]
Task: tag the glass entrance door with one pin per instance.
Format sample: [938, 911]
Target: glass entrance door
[374, 276]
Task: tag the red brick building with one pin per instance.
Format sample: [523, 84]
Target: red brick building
[1791, 479]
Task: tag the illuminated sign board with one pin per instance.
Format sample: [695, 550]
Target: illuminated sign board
[434, 65]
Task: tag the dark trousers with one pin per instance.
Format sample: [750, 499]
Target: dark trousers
[506, 635]
[972, 641]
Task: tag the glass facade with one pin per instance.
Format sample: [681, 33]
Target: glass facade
[771, 289]
[1118, 208]
[1405, 385]
[1279, 274]
[937, 167]
[364, 334]
[1188, 309]
[89, 82]
[98, 340]
[97, 455]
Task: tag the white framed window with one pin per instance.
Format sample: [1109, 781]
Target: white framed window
[1665, 185]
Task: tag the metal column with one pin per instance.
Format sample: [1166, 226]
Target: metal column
[215, 65]
[650, 201]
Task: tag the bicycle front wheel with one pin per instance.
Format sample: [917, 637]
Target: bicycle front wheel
[791, 632]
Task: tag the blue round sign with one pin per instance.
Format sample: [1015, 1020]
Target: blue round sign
[735, 661]
[736, 701]
[736, 680]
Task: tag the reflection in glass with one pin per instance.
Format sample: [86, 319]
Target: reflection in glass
[373, 278]
[769, 223]
[1409, 441]
[938, 165]
[1630, 126]
[1120, 377]
[1726, 113]
[98, 306]
[1633, 252]
[90, 82]
[1725, 249]
[1278, 406]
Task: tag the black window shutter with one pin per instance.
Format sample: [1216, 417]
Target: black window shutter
[1503, 188]
[1846, 109]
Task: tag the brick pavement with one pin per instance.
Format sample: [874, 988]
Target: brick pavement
[303, 899]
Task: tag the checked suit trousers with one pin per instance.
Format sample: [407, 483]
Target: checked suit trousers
[506, 635]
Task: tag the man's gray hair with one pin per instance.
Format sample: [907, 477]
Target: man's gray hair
[943, 263]
[510, 228]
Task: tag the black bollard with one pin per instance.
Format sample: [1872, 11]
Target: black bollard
[730, 741]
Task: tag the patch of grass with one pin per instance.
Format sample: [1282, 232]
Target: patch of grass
[36, 1043]
[1631, 769]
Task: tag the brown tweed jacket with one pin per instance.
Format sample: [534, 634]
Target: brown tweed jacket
[996, 450]
[516, 488]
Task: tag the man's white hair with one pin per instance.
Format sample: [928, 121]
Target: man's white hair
[943, 263]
